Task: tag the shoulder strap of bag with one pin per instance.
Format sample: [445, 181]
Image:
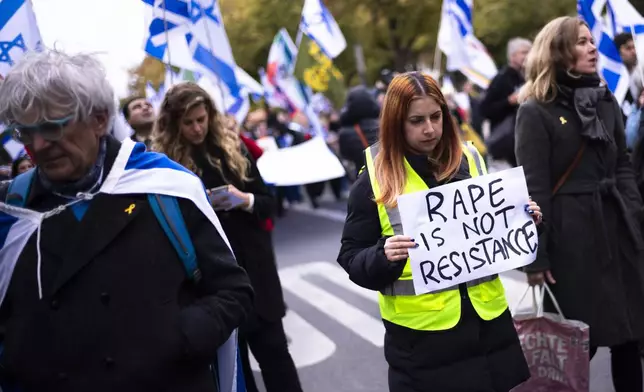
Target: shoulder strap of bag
[571, 168]
[168, 213]
[18, 191]
[166, 208]
[363, 139]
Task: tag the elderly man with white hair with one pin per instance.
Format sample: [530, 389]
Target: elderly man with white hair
[500, 103]
[98, 297]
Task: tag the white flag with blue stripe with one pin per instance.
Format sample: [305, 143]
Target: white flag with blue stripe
[19, 32]
[463, 50]
[197, 25]
[623, 17]
[318, 23]
[135, 171]
[610, 65]
[14, 148]
[155, 97]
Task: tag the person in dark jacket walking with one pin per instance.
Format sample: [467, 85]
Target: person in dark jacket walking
[359, 120]
[189, 131]
[99, 299]
[448, 341]
[500, 103]
[571, 144]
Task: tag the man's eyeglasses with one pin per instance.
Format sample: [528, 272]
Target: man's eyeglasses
[51, 130]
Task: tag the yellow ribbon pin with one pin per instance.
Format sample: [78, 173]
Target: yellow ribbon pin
[130, 209]
[563, 120]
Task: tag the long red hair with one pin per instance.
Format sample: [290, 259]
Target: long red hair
[389, 163]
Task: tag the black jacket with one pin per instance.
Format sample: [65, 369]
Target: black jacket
[363, 110]
[252, 245]
[591, 239]
[118, 312]
[495, 106]
[487, 351]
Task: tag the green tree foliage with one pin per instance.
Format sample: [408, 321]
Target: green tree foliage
[393, 33]
[496, 22]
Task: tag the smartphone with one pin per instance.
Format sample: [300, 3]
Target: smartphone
[219, 189]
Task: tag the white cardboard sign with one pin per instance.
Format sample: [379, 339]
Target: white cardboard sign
[468, 229]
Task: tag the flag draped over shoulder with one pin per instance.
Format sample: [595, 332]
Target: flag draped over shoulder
[135, 171]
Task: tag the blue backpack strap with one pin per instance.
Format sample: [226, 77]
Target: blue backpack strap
[168, 213]
[166, 208]
[19, 189]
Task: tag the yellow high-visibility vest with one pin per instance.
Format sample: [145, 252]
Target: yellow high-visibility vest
[438, 310]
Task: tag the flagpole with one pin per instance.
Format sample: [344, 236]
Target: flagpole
[437, 59]
[167, 41]
[298, 37]
[221, 89]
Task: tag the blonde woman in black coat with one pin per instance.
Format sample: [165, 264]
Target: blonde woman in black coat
[570, 141]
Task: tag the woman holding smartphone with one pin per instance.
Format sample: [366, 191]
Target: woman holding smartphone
[189, 131]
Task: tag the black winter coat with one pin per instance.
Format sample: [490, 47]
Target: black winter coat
[252, 245]
[495, 105]
[363, 110]
[118, 312]
[591, 239]
[488, 352]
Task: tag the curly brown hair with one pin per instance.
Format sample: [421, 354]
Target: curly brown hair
[167, 137]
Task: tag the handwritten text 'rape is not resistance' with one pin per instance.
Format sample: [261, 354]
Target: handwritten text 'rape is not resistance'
[469, 229]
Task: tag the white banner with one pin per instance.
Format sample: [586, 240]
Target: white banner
[306, 163]
[469, 229]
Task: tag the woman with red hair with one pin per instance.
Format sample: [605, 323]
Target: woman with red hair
[461, 338]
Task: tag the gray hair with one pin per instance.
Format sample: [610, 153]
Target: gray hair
[516, 44]
[51, 80]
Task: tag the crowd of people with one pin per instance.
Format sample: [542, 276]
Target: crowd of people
[98, 299]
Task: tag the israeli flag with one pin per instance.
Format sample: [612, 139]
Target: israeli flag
[610, 65]
[197, 25]
[240, 108]
[318, 23]
[155, 97]
[135, 171]
[14, 148]
[463, 50]
[19, 33]
[623, 17]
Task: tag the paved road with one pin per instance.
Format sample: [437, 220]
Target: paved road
[334, 326]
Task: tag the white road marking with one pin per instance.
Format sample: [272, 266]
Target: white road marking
[309, 346]
[364, 325]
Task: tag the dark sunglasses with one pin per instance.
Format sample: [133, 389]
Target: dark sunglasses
[51, 131]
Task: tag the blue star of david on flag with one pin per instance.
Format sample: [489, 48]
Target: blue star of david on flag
[319, 25]
[7, 46]
[18, 33]
[210, 11]
[323, 16]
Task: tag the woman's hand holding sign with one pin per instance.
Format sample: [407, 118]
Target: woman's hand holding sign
[533, 209]
[396, 247]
